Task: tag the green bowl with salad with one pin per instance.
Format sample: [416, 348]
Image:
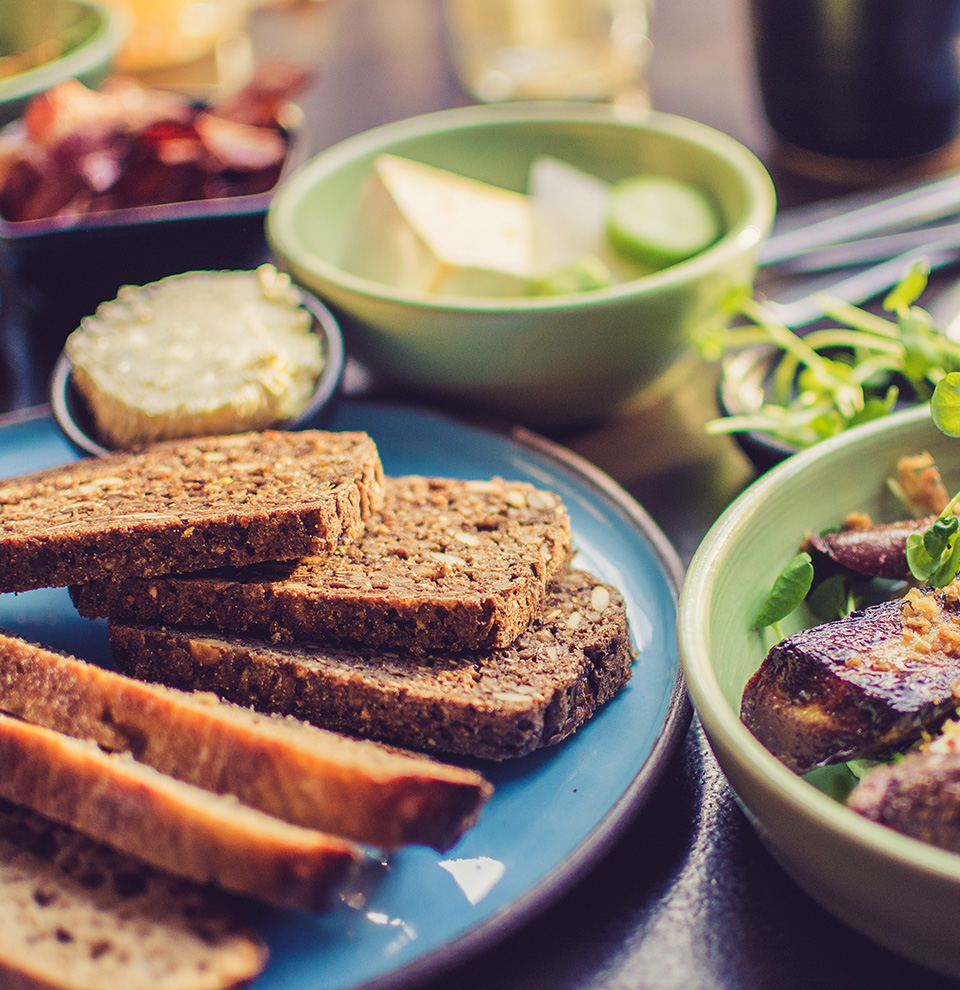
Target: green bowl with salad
[896, 889]
[542, 262]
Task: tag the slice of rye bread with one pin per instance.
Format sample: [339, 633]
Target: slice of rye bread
[445, 564]
[173, 826]
[492, 704]
[355, 788]
[77, 915]
[187, 505]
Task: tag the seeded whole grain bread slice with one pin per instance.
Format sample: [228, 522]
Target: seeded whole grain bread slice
[445, 564]
[173, 826]
[355, 788]
[187, 505]
[77, 915]
[492, 704]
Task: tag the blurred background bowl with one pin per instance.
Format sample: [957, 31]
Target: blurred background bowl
[894, 889]
[61, 268]
[87, 37]
[74, 418]
[542, 360]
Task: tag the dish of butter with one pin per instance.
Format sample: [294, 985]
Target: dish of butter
[194, 354]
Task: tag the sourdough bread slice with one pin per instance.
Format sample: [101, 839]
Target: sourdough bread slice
[492, 704]
[184, 830]
[77, 915]
[445, 564]
[187, 505]
[354, 788]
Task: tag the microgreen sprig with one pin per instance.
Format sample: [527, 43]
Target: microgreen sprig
[829, 379]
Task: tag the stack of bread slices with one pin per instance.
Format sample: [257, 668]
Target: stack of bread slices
[289, 626]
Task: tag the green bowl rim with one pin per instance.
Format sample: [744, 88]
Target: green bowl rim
[99, 48]
[747, 235]
[719, 718]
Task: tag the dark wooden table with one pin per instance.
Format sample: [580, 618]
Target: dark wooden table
[688, 898]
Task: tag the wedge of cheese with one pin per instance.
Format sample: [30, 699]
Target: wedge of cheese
[425, 229]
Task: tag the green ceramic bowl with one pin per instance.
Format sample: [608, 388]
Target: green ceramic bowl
[90, 36]
[542, 360]
[894, 889]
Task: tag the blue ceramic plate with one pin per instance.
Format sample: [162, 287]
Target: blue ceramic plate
[553, 813]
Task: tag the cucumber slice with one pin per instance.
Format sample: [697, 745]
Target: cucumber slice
[658, 220]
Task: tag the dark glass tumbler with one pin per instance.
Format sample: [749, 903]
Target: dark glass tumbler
[860, 79]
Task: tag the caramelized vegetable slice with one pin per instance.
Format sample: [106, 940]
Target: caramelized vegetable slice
[858, 686]
[880, 550]
[876, 550]
[918, 796]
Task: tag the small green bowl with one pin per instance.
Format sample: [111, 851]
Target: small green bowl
[91, 36]
[542, 360]
[894, 889]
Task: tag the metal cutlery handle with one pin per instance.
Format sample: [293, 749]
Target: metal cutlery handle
[916, 205]
[867, 250]
[865, 284]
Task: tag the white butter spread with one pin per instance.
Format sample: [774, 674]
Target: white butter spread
[197, 353]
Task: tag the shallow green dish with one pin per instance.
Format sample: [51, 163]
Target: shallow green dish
[893, 889]
[91, 36]
[543, 360]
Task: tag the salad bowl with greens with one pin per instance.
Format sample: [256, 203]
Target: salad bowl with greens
[895, 889]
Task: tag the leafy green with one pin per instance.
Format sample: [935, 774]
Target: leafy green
[945, 405]
[789, 589]
[830, 379]
[933, 556]
[831, 598]
[586, 273]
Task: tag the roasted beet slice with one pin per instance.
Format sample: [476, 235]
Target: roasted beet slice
[918, 796]
[876, 550]
[36, 188]
[127, 145]
[858, 686]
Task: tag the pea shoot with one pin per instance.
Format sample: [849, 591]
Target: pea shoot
[789, 589]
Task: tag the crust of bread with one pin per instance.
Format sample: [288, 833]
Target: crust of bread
[494, 704]
[305, 775]
[445, 564]
[173, 826]
[187, 505]
[77, 915]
